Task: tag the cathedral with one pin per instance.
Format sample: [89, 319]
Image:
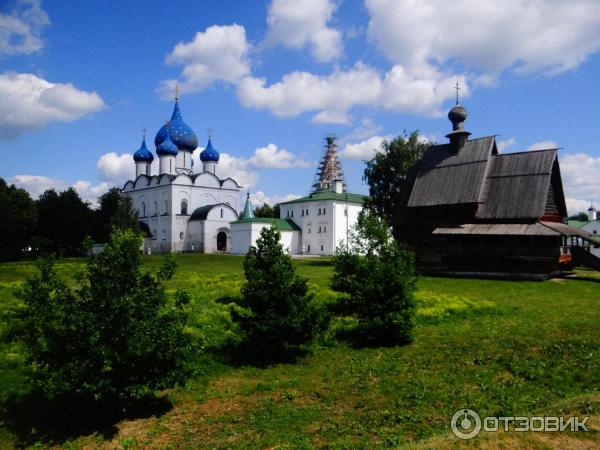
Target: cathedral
[183, 210]
[180, 209]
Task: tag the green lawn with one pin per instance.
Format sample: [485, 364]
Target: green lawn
[501, 348]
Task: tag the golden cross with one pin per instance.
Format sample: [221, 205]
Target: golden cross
[144, 130]
[210, 131]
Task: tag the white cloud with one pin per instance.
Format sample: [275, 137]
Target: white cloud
[363, 150]
[238, 169]
[273, 158]
[367, 128]
[335, 117]
[575, 206]
[506, 143]
[295, 24]
[220, 53]
[20, 30]
[29, 102]
[244, 170]
[90, 192]
[38, 184]
[580, 176]
[298, 92]
[419, 93]
[259, 198]
[116, 168]
[543, 145]
[527, 36]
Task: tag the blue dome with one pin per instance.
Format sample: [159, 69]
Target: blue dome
[181, 134]
[143, 154]
[209, 153]
[167, 147]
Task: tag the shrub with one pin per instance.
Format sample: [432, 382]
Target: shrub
[378, 277]
[116, 335]
[276, 317]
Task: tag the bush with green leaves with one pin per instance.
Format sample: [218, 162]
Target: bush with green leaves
[277, 316]
[377, 276]
[116, 334]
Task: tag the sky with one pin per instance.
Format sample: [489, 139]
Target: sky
[271, 78]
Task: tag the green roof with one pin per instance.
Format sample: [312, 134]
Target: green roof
[280, 224]
[576, 223]
[329, 195]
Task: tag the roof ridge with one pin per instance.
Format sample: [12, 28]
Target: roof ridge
[528, 151]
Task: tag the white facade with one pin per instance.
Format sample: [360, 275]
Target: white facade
[166, 203]
[319, 224]
[324, 224]
[245, 233]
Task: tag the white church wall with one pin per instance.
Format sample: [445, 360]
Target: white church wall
[244, 235]
[207, 179]
[218, 220]
[183, 180]
[241, 237]
[229, 183]
[195, 235]
[290, 240]
[344, 223]
[230, 199]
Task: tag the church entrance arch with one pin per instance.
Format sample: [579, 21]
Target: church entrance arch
[221, 241]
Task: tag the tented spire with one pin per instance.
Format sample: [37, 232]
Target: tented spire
[330, 169]
[247, 214]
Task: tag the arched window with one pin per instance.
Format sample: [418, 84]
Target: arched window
[164, 235]
[184, 207]
[143, 210]
[181, 235]
[166, 207]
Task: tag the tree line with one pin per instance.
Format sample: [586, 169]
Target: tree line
[58, 222]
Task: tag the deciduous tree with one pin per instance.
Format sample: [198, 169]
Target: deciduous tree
[18, 221]
[389, 172]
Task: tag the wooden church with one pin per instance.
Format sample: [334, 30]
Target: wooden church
[473, 211]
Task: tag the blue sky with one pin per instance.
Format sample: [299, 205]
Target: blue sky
[79, 80]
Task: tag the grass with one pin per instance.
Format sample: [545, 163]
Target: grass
[501, 348]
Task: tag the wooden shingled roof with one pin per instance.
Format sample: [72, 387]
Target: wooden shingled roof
[517, 186]
[511, 186]
[447, 177]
